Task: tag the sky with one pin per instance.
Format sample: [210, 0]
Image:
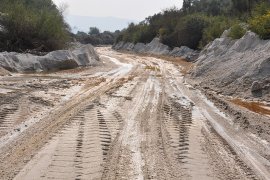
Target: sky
[128, 9]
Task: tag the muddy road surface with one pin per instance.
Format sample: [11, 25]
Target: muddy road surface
[131, 117]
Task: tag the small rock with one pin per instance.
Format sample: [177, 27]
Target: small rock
[256, 86]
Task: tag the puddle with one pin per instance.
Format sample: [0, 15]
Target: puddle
[256, 107]
[122, 70]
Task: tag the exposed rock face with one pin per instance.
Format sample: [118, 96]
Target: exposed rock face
[157, 48]
[56, 60]
[231, 66]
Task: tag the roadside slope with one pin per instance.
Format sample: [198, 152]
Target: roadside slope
[155, 47]
[235, 67]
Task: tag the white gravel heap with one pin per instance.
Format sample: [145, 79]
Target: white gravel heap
[56, 60]
[232, 66]
[157, 48]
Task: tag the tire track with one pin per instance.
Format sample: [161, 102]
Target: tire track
[7, 118]
[82, 146]
[184, 131]
[177, 120]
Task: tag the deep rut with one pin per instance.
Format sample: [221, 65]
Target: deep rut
[177, 120]
[82, 146]
[5, 115]
[184, 136]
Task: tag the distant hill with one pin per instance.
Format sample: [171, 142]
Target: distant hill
[82, 23]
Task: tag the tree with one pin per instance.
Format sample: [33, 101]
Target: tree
[32, 24]
[94, 31]
[187, 5]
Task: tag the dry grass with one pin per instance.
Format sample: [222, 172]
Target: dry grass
[93, 82]
[130, 78]
[252, 106]
[152, 68]
[186, 66]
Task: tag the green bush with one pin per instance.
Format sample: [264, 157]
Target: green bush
[261, 9]
[237, 31]
[261, 25]
[29, 24]
[200, 22]
[188, 32]
[215, 27]
[260, 21]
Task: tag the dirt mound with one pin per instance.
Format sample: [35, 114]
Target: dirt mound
[62, 59]
[155, 47]
[232, 66]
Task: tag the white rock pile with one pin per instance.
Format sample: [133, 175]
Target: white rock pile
[155, 47]
[56, 60]
[236, 66]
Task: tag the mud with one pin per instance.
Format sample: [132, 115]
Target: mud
[134, 117]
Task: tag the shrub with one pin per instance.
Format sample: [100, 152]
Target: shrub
[30, 24]
[260, 20]
[105, 38]
[188, 32]
[215, 27]
[261, 9]
[237, 31]
[261, 25]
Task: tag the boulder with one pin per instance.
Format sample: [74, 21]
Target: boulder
[184, 52]
[56, 60]
[157, 48]
[140, 48]
[256, 86]
[128, 46]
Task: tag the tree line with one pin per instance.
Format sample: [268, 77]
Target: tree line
[39, 26]
[200, 21]
[95, 37]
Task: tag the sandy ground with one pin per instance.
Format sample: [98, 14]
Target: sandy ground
[131, 117]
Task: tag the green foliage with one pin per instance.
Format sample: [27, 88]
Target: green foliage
[215, 28]
[237, 31]
[261, 25]
[211, 7]
[31, 24]
[260, 20]
[105, 38]
[94, 31]
[188, 32]
[200, 22]
[261, 9]
[137, 33]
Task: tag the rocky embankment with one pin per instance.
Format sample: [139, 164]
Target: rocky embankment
[155, 47]
[235, 67]
[56, 60]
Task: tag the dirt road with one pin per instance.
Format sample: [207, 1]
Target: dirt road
[131, 117]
